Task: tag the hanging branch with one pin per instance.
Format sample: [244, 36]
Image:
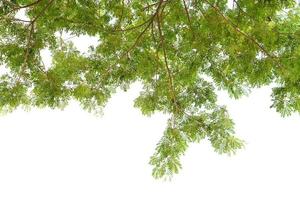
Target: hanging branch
[169, 73]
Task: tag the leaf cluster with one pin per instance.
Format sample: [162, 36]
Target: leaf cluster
[182, 51]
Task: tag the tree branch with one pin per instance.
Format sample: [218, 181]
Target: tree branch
[147, 27]
[42, 11]
[169, 73]
[188, 17]
[25, 6]
[237, 29]
[30, 34]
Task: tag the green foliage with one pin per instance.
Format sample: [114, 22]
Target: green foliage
[181, 50]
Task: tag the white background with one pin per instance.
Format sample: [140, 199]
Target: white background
[73, 155]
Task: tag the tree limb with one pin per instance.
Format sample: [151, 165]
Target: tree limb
[169, 73]
[237, 29]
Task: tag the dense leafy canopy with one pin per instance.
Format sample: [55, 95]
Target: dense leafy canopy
[182, 51]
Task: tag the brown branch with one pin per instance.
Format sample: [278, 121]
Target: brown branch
[30, 34]
[188, 17]
[15, 19]
[153, 4]
[147, 27]
[239, 7]
[26, 56]
[107, 31]
[25, 6]
[150, 22]
[42, 11]
[149, 6]
[134, 27]
[28, 5]
[237, 29]
[169, 73]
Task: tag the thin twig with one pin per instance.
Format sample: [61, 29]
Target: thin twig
[188, 17]
[42, 11]
[25, 6]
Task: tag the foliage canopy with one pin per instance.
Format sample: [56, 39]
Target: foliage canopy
[181, 50]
